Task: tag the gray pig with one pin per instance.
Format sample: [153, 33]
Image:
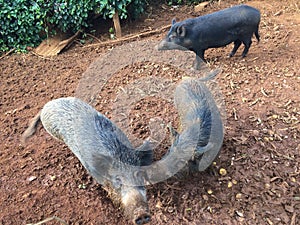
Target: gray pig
[97, 143]
[196, 107]
[236, 24]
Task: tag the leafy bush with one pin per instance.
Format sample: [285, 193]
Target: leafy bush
[136, 8]
[22, 22]
[71, 15]
[109, 7]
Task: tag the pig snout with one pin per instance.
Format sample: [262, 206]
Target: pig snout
[163, 45]
[160, 46]
[135, 205]
[141, 217]
[166, 44]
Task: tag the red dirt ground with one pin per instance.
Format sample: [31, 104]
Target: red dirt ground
[261, 150]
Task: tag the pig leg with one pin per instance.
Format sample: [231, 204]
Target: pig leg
[256, 34]
[247, 44]
[237, 44]
[199, 59]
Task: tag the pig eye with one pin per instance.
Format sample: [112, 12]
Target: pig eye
[172, 37]
[118, 182]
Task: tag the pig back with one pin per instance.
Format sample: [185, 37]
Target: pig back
[92, 137]
[237, 20]
[196, 105]
[233, 16]
[193, 107]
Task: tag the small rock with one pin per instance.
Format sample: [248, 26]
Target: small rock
[238, 196]
[240, 214]
[205, 197]
[170, 209]
[158, 205]
[289, 208]
[267, 186]
[82, 186]
[185, 196]
[31, 178]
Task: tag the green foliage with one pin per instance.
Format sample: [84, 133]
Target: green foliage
[108, 8]
[22, 22]
[71, 15]
[136, 8]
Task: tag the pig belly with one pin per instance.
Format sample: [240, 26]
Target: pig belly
[218, 41]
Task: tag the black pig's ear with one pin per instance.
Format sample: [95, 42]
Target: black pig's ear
[173, 21]
[181, 31]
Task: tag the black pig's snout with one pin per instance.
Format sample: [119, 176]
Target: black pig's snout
[142, 219]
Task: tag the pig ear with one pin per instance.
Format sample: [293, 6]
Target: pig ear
[174, 135]
[145, 153]
[173, 21]
[181, 30]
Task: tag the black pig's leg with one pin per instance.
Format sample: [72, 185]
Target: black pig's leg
[237, 44]
[247, 44]
[199, 59]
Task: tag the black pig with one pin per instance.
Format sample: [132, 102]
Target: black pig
[236, 24]
[97, 143]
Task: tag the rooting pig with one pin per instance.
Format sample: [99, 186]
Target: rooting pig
[197, 108]
[236, 24]
[97, 143]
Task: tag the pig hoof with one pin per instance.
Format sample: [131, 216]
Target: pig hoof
[143, 219]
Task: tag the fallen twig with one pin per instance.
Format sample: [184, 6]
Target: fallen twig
[34, 53]
[263, 92]
[128, 38]
[7, 53]
[234, 114]
[254, 102]
[293, 219]
[172, 187]
[94, 37]
[49, 219]
[279, 154]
